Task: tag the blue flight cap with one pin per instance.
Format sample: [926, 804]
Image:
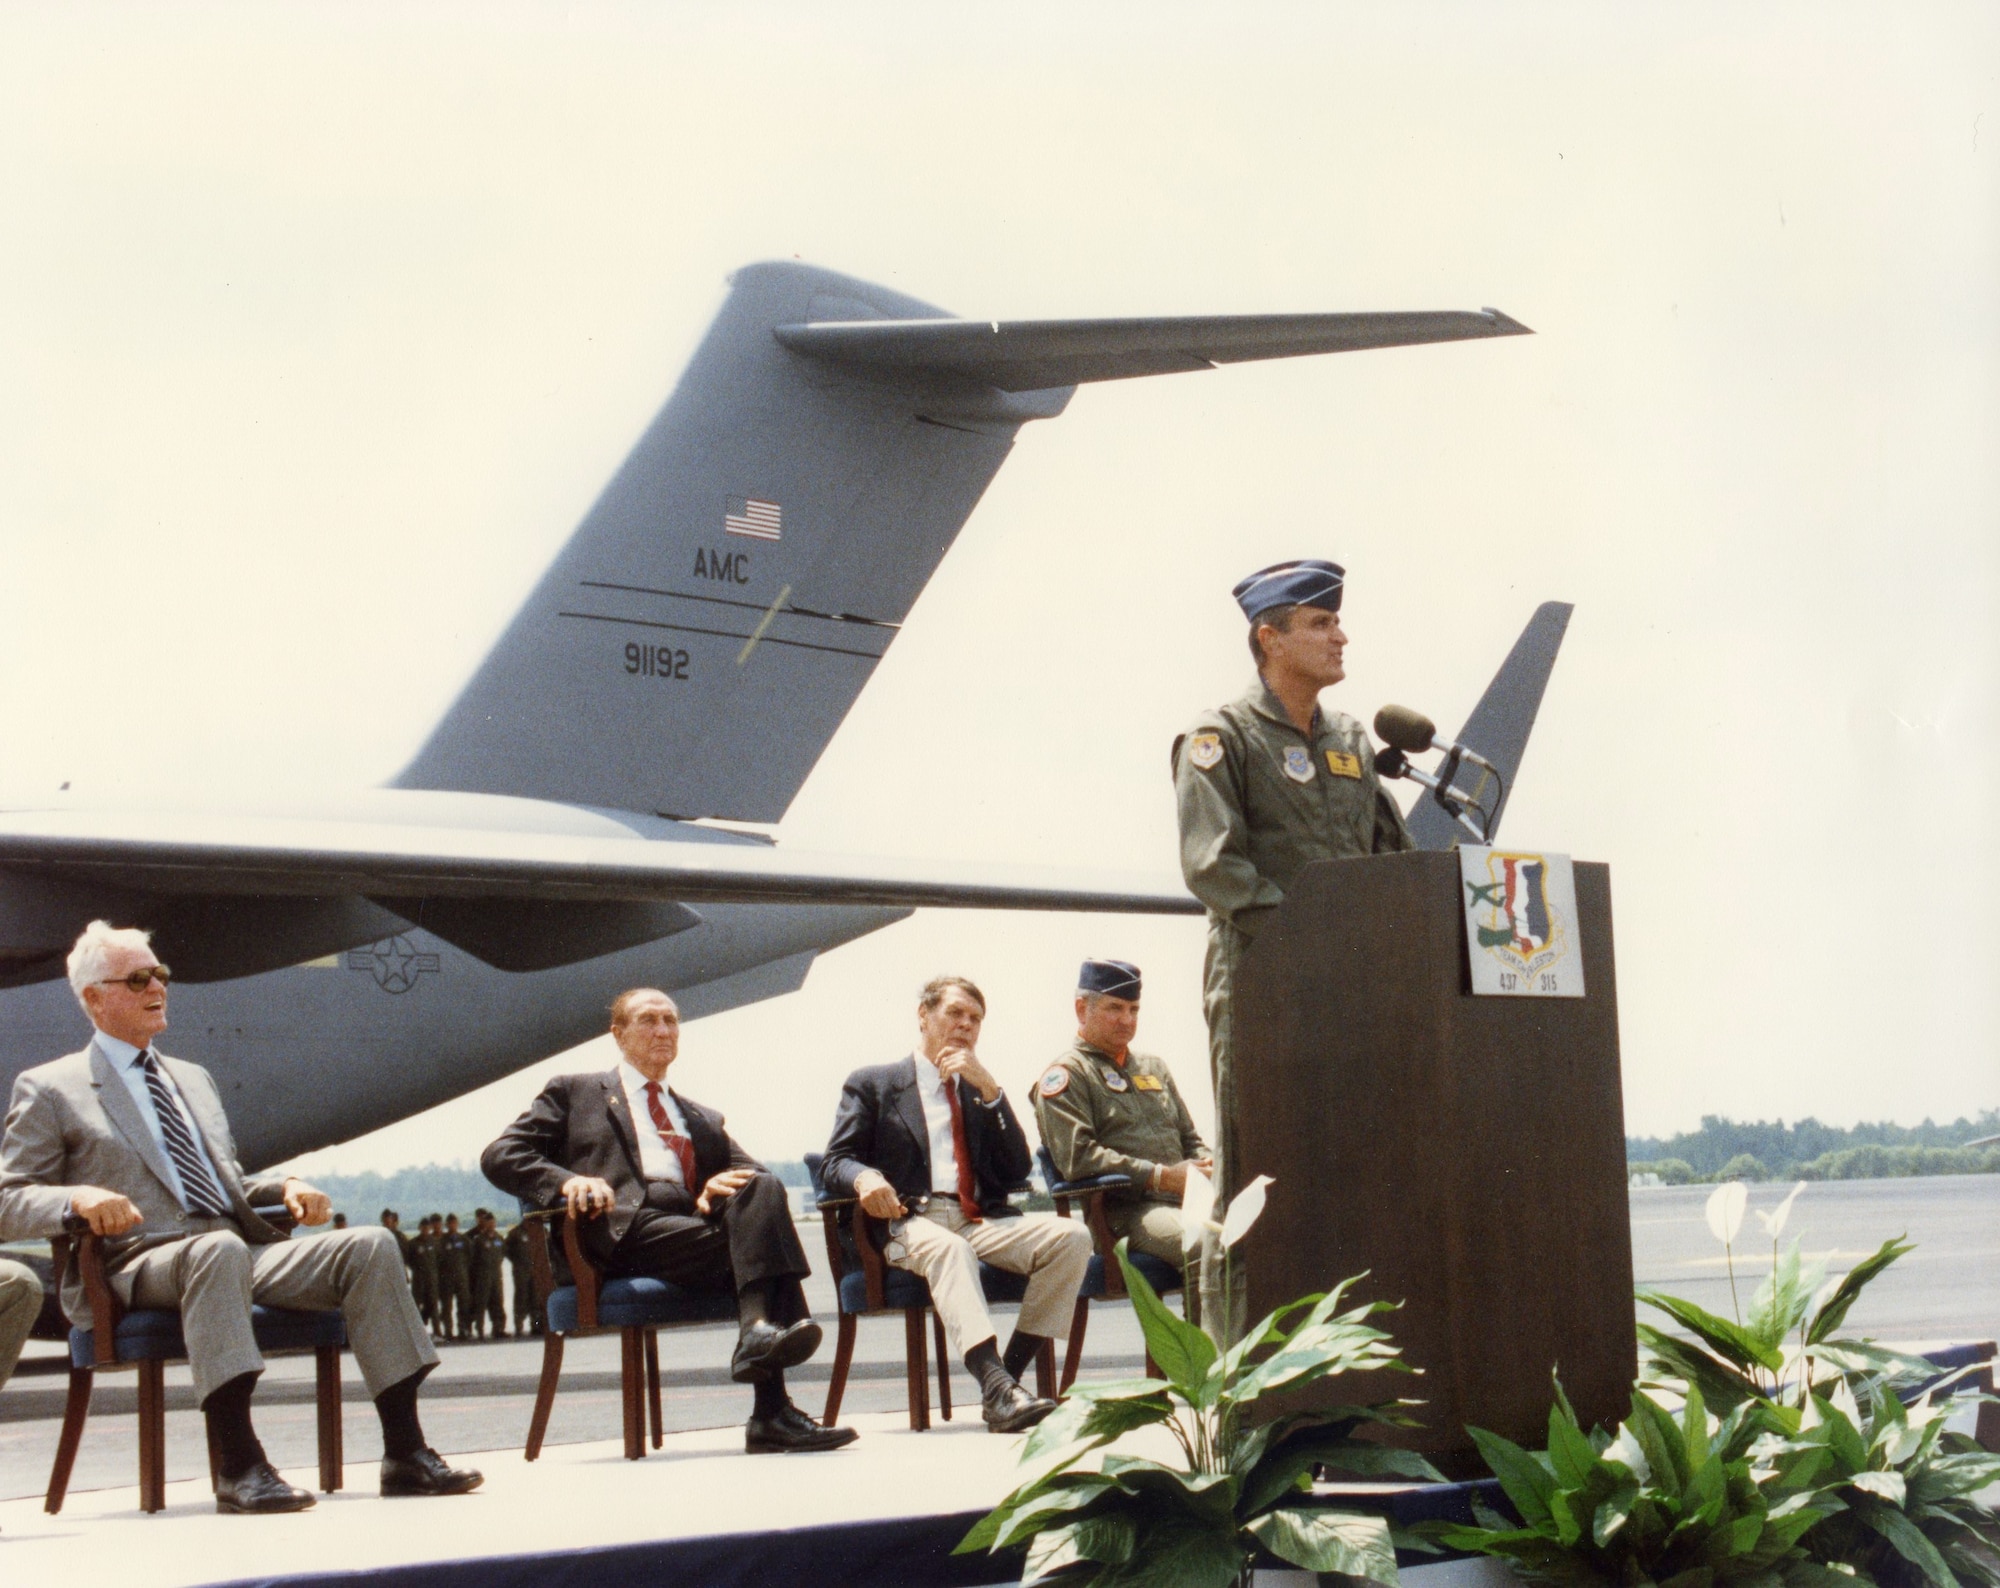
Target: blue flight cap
[1109, 976]
[1308, 582]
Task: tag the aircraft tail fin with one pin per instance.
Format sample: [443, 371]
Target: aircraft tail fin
[699, 640]
[1500, 724]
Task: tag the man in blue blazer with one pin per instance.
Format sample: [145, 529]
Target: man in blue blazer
[930, 1143]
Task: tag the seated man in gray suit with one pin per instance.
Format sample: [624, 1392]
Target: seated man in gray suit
[137, 1146]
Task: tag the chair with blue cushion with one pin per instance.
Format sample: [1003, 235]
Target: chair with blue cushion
[867, 1285]
[1104, 1280]
[148, 1338]
[590, 1303]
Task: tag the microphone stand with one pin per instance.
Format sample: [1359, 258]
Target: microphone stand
[1394, 763]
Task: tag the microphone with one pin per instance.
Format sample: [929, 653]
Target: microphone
[1412, 732]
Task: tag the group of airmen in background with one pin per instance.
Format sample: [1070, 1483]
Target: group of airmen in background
[457, 1278]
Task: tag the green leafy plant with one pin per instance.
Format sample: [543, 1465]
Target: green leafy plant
[1892, 1488]
[1130, 1518]
[1746, 1359]
[1670, 1500]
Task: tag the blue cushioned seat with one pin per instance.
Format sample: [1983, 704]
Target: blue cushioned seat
[1162, 1276]
[154, 1333]
[641, 1303]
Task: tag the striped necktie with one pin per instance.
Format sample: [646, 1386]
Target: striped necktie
[199, 1191]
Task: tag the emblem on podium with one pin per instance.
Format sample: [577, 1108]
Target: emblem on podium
[1520, 923]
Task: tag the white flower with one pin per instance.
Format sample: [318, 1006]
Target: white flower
[1197, 1206]
[1243, 1210]
[1725, 1210]
[1774, 1223]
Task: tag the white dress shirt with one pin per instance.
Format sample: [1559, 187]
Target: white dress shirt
[937, 1120]
[657, 1160]
[125, 1060]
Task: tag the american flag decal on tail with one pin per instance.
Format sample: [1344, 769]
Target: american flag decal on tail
[746, 515]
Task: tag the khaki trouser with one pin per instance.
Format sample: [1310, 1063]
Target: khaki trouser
[20, 1305]
[214, 1275]
[946, 1248]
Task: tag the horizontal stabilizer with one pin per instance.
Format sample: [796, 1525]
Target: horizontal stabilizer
[1033, 355]
[169, 853]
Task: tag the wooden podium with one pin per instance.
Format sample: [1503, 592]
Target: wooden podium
[1468, 1152]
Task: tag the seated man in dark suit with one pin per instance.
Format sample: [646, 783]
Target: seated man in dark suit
[658, 1187]
[930, 1143]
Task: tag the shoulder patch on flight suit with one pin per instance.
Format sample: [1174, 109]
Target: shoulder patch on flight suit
[1204, 749]
[1342, 763]
[1056, 1082]
[1147, 1083]
[1298, 765]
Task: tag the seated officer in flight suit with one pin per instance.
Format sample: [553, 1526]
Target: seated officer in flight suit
[1103, 1109]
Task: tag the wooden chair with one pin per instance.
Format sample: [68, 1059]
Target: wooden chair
[638, 1308]
[1104, 1280]
[867, 1285]
[148, 1338]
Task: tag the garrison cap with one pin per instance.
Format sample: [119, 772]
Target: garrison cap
[1112, 977]
[1309, 582]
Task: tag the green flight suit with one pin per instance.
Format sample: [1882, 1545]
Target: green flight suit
[455, 1284]
[1098, 1116]
[426, 1280]
[489, 1297]
[520, 1259]
[1259, 801]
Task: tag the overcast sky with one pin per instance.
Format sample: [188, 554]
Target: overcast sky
[323, 325]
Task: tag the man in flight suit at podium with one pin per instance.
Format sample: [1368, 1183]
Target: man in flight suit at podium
[1266, 785]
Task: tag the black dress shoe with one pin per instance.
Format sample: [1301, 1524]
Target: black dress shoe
[259, 1491]
[791, 1429]
[1013, 1410]
[426, 1473]
[764, 1349]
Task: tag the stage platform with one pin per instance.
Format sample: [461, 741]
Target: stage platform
[697, 1512]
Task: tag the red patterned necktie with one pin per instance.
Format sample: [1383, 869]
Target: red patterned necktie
[968, 1195]
[683, 1148]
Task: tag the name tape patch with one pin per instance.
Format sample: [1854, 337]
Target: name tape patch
[1342, 763]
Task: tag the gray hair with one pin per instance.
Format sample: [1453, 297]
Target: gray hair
[91, 956]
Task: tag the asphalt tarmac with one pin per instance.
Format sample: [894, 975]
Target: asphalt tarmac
[480, 1396]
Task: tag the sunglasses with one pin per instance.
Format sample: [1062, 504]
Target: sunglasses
[139, 979]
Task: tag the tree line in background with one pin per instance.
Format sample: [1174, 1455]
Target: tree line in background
[1722, 1149]
[447, 1188]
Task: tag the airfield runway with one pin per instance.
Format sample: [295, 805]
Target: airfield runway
[479, 1398]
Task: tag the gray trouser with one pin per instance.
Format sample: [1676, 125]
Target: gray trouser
[20, 1305]
[213, 1277]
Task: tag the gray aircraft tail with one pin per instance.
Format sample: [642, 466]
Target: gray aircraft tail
[700, 638]
[1499, 726]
